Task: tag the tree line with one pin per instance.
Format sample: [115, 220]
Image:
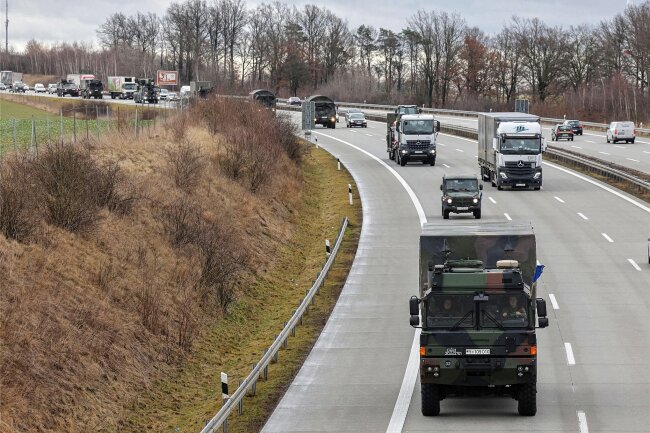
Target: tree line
[436, 59]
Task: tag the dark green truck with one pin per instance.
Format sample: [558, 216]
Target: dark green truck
[478, 307]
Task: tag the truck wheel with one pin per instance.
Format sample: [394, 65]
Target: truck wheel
[430, 399]
[527, 397]
[445, 214]
[402, 161]
[477, 214]
[499, 187]
[333, 125]
[432, 161]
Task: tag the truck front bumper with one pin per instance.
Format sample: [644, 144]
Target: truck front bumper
[409, 154]
[477, 372]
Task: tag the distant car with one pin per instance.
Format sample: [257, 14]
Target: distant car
[67, 88]
[19, 87]
[39, 88]
[357, 119]
[172, 96]
[51, 88]
[294, 100]
[621, 131]
[576, 126]
[461, 194]
[163, 94]
[350, 111]
[561, 132]
[185, 92]
[3, 87]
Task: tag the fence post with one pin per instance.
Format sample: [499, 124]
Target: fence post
[87, 135]
[136, 121]
[74, 125]
[33, 140]
[14, 128]
[47, 122]
[61, 125]
[97, 120]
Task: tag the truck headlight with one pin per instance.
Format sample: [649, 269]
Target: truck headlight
[432, 151]
[475, 200]
[537, 175]
[449, 200]
[404, 151]
[503, 175]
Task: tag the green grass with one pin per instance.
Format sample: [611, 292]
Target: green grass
[14, 110]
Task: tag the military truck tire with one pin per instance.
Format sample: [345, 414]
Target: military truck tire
[477, 214]
[492, 178]
[432, 162]
[430, 399]
[445, 214]
[402, 161]
[333, 125]
[527, 399]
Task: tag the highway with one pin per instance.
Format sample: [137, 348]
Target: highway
[593, 143]
[361, 375]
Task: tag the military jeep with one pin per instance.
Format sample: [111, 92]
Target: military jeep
[461, 194]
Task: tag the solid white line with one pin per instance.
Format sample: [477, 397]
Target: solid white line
[620, 147]
[633, 160]
[607, 237]
[604, 153]
[645, 151]
[582, 422]
[576, 147]
[492, 200]
[369, 135]
[559, 199]
[582, 216]
[554, 303]
[352, 130]
[441, 144]
[460, 150]
[508, 217]
[569, 354]
[446, 165]
[633, 263]
[403, 402]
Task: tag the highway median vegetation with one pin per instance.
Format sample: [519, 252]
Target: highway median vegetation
[119, 253]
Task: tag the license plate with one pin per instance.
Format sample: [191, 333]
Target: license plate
[477, 351]
[520, 184]
[418, 151]
[462, 208]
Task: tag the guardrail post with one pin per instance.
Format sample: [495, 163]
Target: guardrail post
[265, 372]
[275, 355]
[338, 161]
[240, 405]
[350, 193]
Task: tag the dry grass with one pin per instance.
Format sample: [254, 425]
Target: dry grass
[90, 319]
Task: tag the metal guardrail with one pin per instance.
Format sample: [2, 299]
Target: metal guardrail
[236, 399]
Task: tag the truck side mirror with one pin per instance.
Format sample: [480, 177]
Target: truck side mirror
[544, 145]
[440, 187]
[541, 307]
[542, 322]
[437, 126]
[495, 143]
[480, 186]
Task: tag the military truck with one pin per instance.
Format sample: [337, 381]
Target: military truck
[264, 97]
[92, 89]
[461, 194]
[478, 307]
[147, 92]
[411, 137]
[325, 110]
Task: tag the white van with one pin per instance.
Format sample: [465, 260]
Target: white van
[621, 131]
[185, 92]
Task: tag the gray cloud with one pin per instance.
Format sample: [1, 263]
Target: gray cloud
[43, 19]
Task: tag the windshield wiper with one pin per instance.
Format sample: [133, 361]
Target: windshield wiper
[462, 319]
[493, 319]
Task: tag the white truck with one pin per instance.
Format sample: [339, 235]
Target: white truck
[8, 78]
[122, 87]
[411, 137]
[510, 147]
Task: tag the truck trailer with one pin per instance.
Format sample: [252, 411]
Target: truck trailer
[510, 147]
[477, 308]
[8, 78]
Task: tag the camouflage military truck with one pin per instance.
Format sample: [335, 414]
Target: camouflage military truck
[478, 307]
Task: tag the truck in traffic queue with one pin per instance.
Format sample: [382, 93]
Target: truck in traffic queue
[477, 311]
[122, 87]
[264, 97]
[8, 78]
[411, 137]
[461, 194]
[147, 92]
[510, 147]
[324, 110]
[81, 80]
[92, 89]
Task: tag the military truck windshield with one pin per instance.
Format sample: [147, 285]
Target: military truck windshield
[325, 109]
[504, 311]
[450, 311]
[458, 185]
[415, 127]
[129, 86]
[517, 146]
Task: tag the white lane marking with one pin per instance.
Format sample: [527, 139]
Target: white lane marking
[507, 217]
[633, 263]
[403, 402]
[559, 199]
[537, 262]
[620, 147]
[603, 153]
[606, 188]
[582, 216]
[369, 135]
[582, 422]
[492, 200]
[446, 165]
[589, 141]
[645, 151]
[352, 130]
[460, 150]
[576, 147]
[441, 144]
[569, 354]
[607, 237]
[633, 160]
[554, 303]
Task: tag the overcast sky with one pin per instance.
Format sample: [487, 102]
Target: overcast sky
[48, 21]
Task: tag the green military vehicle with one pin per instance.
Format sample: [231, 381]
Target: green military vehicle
[478, 307]
[461, 194]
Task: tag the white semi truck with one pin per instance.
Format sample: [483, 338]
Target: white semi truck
[510, 147]
[411, 137]
[122, 87]
[8, 78]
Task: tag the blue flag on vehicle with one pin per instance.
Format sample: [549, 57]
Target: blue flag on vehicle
[538, 272]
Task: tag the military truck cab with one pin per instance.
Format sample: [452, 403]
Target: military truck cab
[477, 310]
[461, 194]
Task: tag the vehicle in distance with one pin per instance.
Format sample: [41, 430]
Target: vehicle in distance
[325, 110]
[621, 131]
[461, 194]
[122, 87]
[19, 87]
[357, 119]
[264, 97]
[51, 88]
[561, 132]
[8, 78]
[147, 93]
[294, 100]
[478, 306]
[67, 88]
[348, 111]
[163, 94]
[172, 96]
[185, 92]
[411, 137]
[576, 126]
[39, 88]
[2, 86]
[93, 89]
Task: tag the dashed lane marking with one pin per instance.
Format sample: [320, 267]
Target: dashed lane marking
[610, 240]
[633, 263]
[554, 303]
[582, 216]
[569, 354]
[492, 200]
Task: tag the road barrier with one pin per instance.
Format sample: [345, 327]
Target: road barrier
[248, 385]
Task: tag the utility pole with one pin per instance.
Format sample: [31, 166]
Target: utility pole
[7, 26]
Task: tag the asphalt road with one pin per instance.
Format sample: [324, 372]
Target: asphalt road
[593, 358]
[592, 143]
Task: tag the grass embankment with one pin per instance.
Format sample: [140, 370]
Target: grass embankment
[15, 110]
[192, 395]
[122, 257]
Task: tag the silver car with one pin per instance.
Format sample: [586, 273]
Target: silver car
[621, 131]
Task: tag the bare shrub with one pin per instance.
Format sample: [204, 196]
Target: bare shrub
[285, 132]
[17, 209]
[187, 325]
[111, 190]
[177, 126]
[149, 306]
[181, 220]
[105, 275]
[186, 164]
